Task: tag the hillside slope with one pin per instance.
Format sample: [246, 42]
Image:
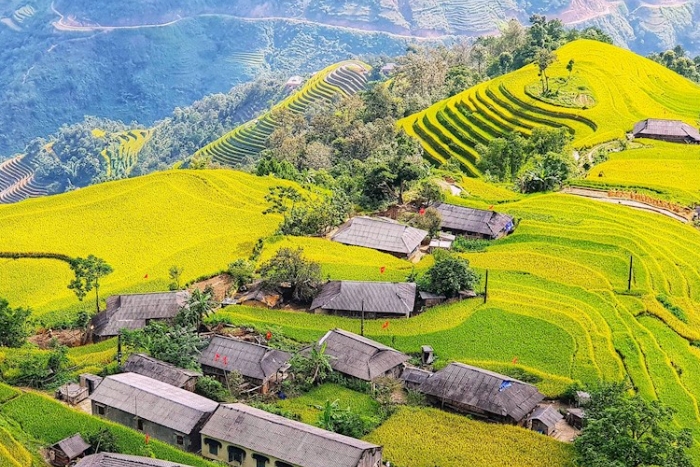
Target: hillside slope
[616, 89]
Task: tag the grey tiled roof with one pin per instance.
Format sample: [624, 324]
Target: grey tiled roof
[72, 447]
[248, 359]
[358, 356]
[474, 221]
[288, 440]
[415, 376]
[156, 369]
[108, 459]
[672, 128]
[380, 234]
[374, 297]
[547, 415]
[132, 311]
[491, 392]
[154, 401]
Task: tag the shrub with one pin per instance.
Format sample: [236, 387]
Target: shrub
[211, 388]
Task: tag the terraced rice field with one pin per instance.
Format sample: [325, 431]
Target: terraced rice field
[247, 140]
[122, 153]
[628, 88]
[17, 180]
[669, 171]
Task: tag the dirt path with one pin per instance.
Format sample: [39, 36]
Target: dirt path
[600, 195]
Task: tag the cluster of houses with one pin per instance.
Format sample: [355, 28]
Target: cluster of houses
[157, 399]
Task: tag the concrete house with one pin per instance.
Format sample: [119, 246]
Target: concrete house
[482, 393]
[477, 223]
[108, 459]
[362, 358]
[381, 234]
[377, 299]
[160, 410]
[243, 436]
[674, 131]
[135, 311]
[259, 365]
[162, 371]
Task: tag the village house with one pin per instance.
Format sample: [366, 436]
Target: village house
[260, 366]
[576, 418]
[362, 358]
[108, 459]
[413, 377]
[674, 131]
[247, 437]
[375, 299]
[67, 450]
[477, 223]
[381, 234]
[162, 371]
[481, 393]
[157, 409]
[135, 312]
[544, 419]
[90, 382]
[71, 393]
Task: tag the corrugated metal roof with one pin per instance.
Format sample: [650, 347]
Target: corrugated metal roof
[249, 359]
[491, 392]
[671, 128]
[154, 401]
[156, 369]
[374, 297]
[474, 221]
[132, 311]
[108, 459]
[73, 447]
[358, 356]
[547, 415]
[415, 376]
[288, 440]
[380, 234]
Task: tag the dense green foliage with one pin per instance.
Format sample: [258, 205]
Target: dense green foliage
[290, 269]
[179, 345]
[13, 325]
[449, 275]
[677, 59]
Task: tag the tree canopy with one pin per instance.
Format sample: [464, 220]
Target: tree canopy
[289, 268]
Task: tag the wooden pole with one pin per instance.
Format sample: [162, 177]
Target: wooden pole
[486, 287]
[629, 279]
[362, 319]
[119, 349]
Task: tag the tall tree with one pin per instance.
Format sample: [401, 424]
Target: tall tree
[200, 305]
[544, 59]
[88, 273]
[289, 267]
[13, 330]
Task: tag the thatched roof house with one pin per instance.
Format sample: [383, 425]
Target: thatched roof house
[165, 412]
[135, 311]
[237, 433]
[360, 357]
[257, 363]
[381, 234]
[108, 459]
[67, 450]
[377, 299]
[666, 130]
[482, 393]
[480, 223]
[162, 371]
[544, 419]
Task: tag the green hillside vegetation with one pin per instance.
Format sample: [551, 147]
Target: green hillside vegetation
[247, 140]
[625, 87]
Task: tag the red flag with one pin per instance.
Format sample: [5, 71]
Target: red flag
[515, 360]
[146, 276]
[148, 438]
[421, 211]
[268, 336]
[385, 325]
[491, 207]
[382, 269]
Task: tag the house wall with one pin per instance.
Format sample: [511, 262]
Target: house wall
[191, 442]
[471, 410]
[540, 427]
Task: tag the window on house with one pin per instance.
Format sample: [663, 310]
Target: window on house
[180, 440]
[139, 424]
[236, 454]
[214, 446]
[100, 410]
[260, 461]
[282, 464]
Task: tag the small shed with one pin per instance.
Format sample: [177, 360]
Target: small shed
[544, 419]
[576, 418]
[674, 131]
[257, 296]
[430, 299]
[162, 371]
[90, 381]
[294, 82]
[437, 244]
[71, 393]
[427, 355]
[696, 213]
[67, 450]
[413, 377]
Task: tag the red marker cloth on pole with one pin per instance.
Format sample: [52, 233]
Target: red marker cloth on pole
[268, 336]
[146, 276]
[515, 360]
[385, 325]
[217, 357]
[421, 211]
[491, 207]
[148, 438]
[382, 269]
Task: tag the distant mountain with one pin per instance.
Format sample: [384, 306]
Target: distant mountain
[137, 60]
